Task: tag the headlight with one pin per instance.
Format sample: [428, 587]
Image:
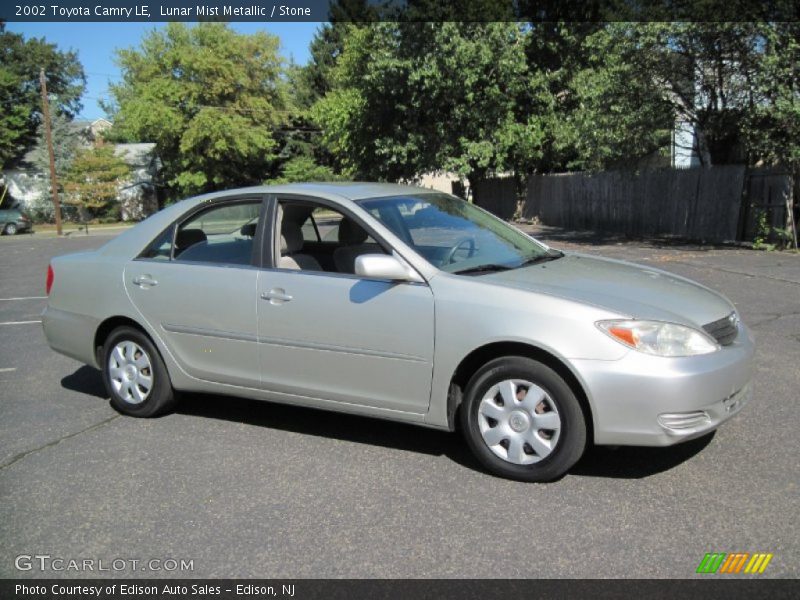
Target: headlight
[659, 339]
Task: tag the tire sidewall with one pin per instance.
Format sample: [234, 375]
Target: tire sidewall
[572, 435]
[10, 229]
[160, 397]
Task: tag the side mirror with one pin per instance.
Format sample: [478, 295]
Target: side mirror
[383, 266]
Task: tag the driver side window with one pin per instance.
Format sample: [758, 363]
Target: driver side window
[318, 238]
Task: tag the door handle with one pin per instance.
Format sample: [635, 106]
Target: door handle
[276, 296]
[144, 281]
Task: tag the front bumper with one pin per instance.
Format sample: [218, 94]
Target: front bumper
[645, 400]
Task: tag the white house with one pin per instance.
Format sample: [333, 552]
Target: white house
[137, 195]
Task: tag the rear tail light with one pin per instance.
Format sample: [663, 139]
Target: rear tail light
[50, 277]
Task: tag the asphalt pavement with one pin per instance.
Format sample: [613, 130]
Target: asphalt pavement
[249, 489]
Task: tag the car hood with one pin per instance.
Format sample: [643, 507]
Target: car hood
[631, 290]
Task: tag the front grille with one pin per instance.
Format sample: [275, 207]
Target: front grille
[724, 330]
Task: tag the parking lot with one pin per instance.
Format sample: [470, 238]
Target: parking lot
[249, 489]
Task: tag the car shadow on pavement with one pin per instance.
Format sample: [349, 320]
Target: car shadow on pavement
[629, 462]
[340, 426]
[598, 461]
[86, 380]
[636, 462]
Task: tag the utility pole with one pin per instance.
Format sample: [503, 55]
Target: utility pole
[49, 136]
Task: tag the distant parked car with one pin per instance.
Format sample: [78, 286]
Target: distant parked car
[405, 304]
[13, 221]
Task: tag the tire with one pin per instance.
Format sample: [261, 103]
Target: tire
[536, 437]
[10, 229]
[130, 363]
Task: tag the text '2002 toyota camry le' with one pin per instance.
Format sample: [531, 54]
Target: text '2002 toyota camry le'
[407, 304]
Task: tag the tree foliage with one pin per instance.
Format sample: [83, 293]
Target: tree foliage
[772, 129]
[399, 99]
[414, 97]
[20, 99]
[210, 98]
[620, 113]
[304, 168]
[93, 179]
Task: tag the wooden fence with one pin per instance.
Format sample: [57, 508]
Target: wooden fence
[497, 195]
[765, 193]
[718, 204]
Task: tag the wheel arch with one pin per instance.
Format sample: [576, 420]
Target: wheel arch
[483, 354]
[107, 326]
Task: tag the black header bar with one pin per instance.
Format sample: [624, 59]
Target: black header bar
[399, 10]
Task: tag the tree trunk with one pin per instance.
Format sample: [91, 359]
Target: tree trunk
[703, 150]
[473, 178]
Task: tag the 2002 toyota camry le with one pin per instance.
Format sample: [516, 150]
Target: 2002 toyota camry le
[407, 304]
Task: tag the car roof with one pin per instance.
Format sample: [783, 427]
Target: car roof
[352, 190]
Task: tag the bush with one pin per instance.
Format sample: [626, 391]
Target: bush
[304, 168]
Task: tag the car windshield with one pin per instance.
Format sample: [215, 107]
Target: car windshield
[456, 236]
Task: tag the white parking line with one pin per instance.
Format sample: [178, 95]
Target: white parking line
[8, 369]
[20, 322]
[24, 298]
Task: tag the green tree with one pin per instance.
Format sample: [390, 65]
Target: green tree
[313, 80]
[772, 128]
[414, 97]
[304, 168]
[619, 112]
[93, 180]
[210, 98]
[20, 100]
[704, 73]
[773, 124]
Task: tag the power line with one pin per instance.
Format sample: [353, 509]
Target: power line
[217, 107]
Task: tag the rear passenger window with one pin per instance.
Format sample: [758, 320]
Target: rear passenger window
[223, 235]
[161, 248]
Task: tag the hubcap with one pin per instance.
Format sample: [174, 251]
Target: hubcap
[130, 372]
[519, 422]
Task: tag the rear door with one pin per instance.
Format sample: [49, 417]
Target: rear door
[196, 286]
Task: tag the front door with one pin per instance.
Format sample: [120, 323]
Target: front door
[335, 336]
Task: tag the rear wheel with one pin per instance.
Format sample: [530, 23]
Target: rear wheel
[134, 374]
[522, 420]
[11, 229]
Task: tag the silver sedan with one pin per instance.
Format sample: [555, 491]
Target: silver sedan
[407, 304]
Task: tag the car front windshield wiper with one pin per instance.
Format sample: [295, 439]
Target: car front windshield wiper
[550, 255]
[494, 267]
[490, 268]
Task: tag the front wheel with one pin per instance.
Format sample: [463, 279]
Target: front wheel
[11, 229]
[134, 374]
[522, 420]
